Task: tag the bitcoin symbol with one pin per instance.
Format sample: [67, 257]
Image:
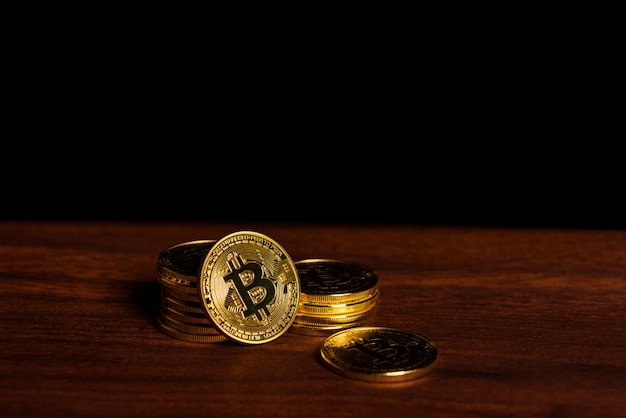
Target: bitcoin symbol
[381, 350]
[248, 279]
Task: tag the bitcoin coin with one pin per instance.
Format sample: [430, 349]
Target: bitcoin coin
[187, 327]
[177, 266]
[379, 354]
[249, 287]
[181, 316]
[327, 281]
[171, 331]
[181, 296]
[350, 318]
[341, 308]
[181, 305]
[181, 261]
[177, 285]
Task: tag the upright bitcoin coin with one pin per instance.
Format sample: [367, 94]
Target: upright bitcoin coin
[249, 287]
[379, 354]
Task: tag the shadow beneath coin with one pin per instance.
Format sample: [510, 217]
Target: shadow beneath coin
[148, 297]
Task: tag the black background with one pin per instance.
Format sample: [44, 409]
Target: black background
[408, 175]
[474, 128]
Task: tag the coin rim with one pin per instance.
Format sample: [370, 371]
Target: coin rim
[343, 297]
[178, 277]
[315, 309]
[207, 309]
[385, 377]
[342, 318]
[172, 332]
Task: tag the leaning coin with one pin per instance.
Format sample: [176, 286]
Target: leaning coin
[249, 287]
[379, 354]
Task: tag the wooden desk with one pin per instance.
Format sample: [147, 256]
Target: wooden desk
[528, 322]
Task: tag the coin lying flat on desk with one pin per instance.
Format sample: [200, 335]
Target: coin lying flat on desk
[249, 287]
[379, 354]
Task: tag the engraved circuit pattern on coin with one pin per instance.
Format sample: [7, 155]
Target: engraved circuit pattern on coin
[249, 287]
[379, 354]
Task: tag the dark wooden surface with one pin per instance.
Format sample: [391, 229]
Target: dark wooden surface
[528, 321]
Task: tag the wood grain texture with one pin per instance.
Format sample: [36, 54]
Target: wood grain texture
[528, 321]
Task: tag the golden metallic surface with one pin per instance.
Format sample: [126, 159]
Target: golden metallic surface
[190, 317]
[331, 282]
[324, 320]
[181, 315]
[249, 287]
[181, 296]
[188, 327]
[182, 261]
[177, 285]
[173, 332]
[379, 354]
[181, 305]
[340, 308]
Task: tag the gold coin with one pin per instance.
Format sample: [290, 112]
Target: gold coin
[350, 318]
[185, 336]
[181, 261]
[188, 327]
[340, 308]
[181, 305]
[327, 281]
[191, 317]
[182, 296]
[379, 354]
[249, 287]
[177, 285]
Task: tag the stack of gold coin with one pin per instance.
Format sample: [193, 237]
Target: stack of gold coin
[334, 295]
[181, 315]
